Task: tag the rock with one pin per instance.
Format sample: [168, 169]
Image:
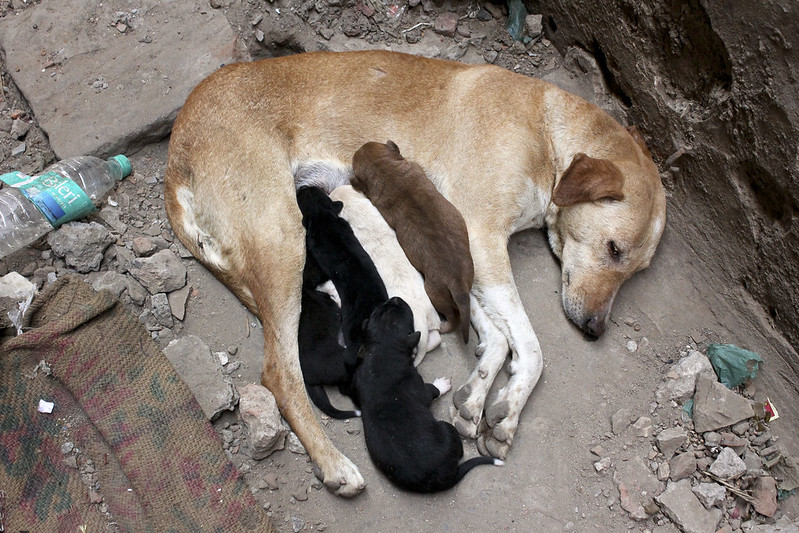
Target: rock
[710, 494]
[67, 447]
[765, 496]
[762, 439]
[270, 481]
[712, 439]
[728, 465]
[716, 406]
[664, 472]
[445, 24]
[620, 420]
[681, 378]
[110, 280]
[19, 128]
[740, 428]
[143, 102]
[603, 464]
[637, 486]
[294, 445]
[643, 427]
[177, 302]
[297, 523]
[754, 465]
[161, 309]
[534, 27]
[136, 291]
[670, 440]
[161, 272]
[144, 246]
[201, 371]
[110, 215]
[683, 508]
[783, 525]
[733, 441]
[261, 418]
[632, 346]
[16, 294]
[682, 466]
[599, 451]
[81, 245]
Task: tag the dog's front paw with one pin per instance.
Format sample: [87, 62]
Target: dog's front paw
[343, 480]
[498, 429]
[467, 411]
[443, 385]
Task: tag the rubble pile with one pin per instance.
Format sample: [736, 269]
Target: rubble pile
[709, 461]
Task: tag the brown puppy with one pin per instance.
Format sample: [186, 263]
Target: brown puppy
[429, 228]
[509, 151]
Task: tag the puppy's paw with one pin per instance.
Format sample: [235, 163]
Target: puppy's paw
[467, 411]
[343, 480]
[443, 385]
[330, 289]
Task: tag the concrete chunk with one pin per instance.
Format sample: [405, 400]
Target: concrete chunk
[681, 378]
[259, 413]
[100, 91]
[201, 371]
[716, 406]
[684, 509]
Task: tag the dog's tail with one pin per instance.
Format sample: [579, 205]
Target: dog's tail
[465, 466]
[319, 397]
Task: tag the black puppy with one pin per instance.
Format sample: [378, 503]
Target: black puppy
[341, 258]
[413, 449]
[322, 357]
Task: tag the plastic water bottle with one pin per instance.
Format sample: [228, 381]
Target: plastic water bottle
[31, 206]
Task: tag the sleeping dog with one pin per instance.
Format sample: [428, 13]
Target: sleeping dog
[413, 449]
[333, 248]
[322, 356]
[398, 274]
[429, 228]
[509, 151]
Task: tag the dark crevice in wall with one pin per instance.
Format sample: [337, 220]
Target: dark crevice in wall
[608, 74]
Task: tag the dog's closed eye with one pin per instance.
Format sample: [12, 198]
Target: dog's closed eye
[614, 250]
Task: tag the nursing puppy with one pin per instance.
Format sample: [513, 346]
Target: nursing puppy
[429, 228]
[322, 357]
[413, 449]
[398, 274]
[341, 258]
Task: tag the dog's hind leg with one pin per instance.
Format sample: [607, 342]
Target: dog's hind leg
[469, 400]
[274, 261]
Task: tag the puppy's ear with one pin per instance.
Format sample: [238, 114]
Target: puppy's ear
[338, 205]
[588, 179]
[392, 146]
[639, 140]
[412, 340]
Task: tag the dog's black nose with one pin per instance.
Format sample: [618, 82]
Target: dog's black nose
[595, 326]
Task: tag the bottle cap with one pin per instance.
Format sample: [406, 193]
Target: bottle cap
[124, 163]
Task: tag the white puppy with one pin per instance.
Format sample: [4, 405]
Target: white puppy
[399, 276]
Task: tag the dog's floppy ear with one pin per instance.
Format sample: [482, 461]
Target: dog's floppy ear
[588, 179]
[639, 140]
[338, 205]
[393, 146]
[412, 339]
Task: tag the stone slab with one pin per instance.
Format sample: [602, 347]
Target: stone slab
[97, 90]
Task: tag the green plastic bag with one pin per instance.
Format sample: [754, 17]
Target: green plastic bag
[733, 365]
[516, 15]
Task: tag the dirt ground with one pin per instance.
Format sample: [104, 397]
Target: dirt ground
[548, 481]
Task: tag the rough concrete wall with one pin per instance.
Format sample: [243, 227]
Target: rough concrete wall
[719, 81]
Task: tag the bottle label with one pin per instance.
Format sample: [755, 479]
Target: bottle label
[58, 198]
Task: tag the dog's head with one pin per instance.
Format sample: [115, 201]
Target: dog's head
[392, 322]
[314, 203]
[371, 161]
[604, 222]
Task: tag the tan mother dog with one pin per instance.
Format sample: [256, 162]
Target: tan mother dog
[510, 152]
